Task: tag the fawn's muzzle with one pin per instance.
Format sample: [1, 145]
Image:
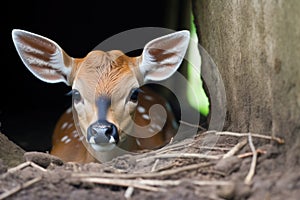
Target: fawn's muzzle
[102, 132]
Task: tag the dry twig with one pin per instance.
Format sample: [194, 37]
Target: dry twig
[244, 155]
[211, 183]
[277, 139]
[26, 184]
[154, 165]
[214, 148]
[149, 184]
[175, 146]
[19, 187]
[142, 175]
[251, 172]
[123, 182]
[191, 125]
[25, 164]
[236, 148]
[181, 155]
[128, 193]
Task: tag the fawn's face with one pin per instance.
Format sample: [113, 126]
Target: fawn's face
[105, 92]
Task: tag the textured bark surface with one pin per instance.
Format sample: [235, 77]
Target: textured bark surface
[11, 154]
[256, 46]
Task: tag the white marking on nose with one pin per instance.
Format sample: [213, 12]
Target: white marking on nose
[145, 116]
[141, 109]
[112, 140]
[149, 98]
[64, 125]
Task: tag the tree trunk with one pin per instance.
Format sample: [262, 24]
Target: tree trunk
[256, 47]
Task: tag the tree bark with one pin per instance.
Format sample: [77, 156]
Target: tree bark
[256, 47]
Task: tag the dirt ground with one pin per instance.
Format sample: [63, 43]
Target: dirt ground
[189, 169]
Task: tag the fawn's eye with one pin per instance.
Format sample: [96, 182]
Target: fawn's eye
[76, 96]
[134, 94]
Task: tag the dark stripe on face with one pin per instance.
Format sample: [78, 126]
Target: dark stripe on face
[103, 104]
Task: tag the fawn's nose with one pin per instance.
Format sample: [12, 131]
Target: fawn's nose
[102, 132]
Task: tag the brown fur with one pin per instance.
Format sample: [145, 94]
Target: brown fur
[105, 73]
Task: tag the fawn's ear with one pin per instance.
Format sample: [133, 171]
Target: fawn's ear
[162, 56]
[43, 57]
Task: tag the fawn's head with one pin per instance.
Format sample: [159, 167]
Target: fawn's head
[105, 85]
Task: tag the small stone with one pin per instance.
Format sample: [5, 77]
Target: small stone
[226, 191]
[228, 165]
[42, 159]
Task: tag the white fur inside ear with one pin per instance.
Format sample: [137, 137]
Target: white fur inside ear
[43, 57]
[163, 56]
